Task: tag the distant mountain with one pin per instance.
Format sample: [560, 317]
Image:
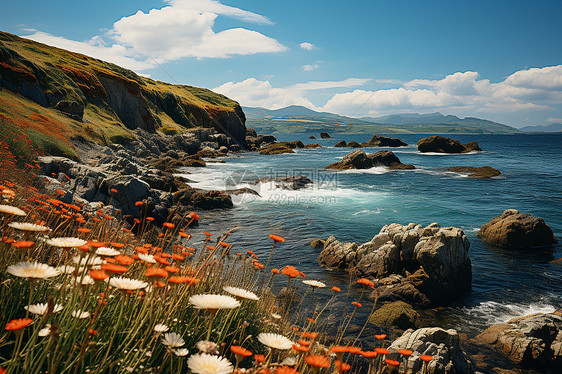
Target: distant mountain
[300, 119]
[555, 127]
[437, 120]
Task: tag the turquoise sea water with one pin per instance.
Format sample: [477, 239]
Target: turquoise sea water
[354, 205]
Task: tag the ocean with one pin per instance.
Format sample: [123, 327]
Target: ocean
[354, 205]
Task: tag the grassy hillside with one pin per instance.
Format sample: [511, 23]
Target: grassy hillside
[57, 96]
[300, 119]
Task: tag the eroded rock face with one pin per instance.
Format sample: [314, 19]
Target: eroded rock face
[513, 230]
[443, 345]
[358, 159]
[534, 340]
[276, 149]
[413, 263]
[397, 313]
[441, 144]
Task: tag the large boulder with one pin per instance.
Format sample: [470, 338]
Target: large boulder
[480, 172]
[340, 144]
[440, 144]
[398, 314]
[275, 149]
[416, 263]
[325, 135]
[443, 345]
[195, 198]
[383, 141]
[358, 159]
[533, 341]
[514, 230]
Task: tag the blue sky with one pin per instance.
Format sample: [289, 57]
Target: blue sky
[500, 60]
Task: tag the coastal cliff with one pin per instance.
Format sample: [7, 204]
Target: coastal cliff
[83, 98]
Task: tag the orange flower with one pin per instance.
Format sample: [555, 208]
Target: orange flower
[306, 343]
[150, 219]
[355, 303]
[308, 334]
[124, 260]
[380, 337]
[208, 233]
[342, 366]
[392, 363]
[336, 289]
[290, 271]
[240, 351]
[138, 203]
[366, 282]
[117, 245]
[339, 349]
[168, 225]
[184, 235]
[354, 350]
[172, 269]
[259, 358]
[426, 358]
[405, 352]
[194, 216]
[310, 320]
[113, 269]
[368, 354]
[156, 272]
[286, 370]
[258, 266]
[317, 361]
[96, 244]
[276, 238]
[178, 257]
[141, 250]
[210, 247]
[225, 245]
[23, 244]
[382, 351]
[98, 275]
[300, 348]
[92, 331]
[275, 271]
[18, 324]
[161, 260]
[83, 230]
[113, 190]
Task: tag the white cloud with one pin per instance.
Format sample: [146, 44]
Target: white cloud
[524, 90]
[181, 30]
[310, 67]
[253, 92]
[308, 46]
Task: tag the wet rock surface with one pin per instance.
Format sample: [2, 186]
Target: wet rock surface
[440, 144]
[358, 159]
[480, 172]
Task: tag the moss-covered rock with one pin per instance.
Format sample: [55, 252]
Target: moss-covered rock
[398, 314]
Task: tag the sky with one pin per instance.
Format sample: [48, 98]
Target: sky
[498, 60]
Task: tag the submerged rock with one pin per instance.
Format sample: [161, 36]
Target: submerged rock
[481, 172]
[441, 144]
[287, 183]
[443, 345]
[514, 230]
[533, 341]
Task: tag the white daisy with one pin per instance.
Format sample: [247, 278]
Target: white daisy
[86, 280]
[159, 328]
[147, 258]
[314, 283]
[241, 293]
[207, 346]
[33, 270]
[213, 302]
[276, 316]
[181, 352]
[172, 340]
[41, 308]
[8, 209]
[290, 361]
[275, 341]
[106, 251]
[80, 314]
[45, 330]
[88, 261]
[127, 283]
[202, 363]
[26, 226]
[66, 242]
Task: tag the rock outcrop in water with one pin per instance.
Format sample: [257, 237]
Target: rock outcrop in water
[480, 172]
[532, 341]
[325, 135]
[412, 263]
[441, 144]
[443, 345]
[513, 230]
[358, 159]
[383, 141]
